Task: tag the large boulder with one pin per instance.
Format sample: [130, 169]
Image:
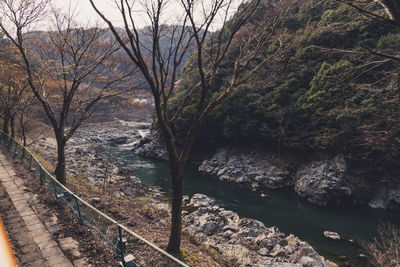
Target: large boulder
[253, 169]
[201, 200]
[386, 197]
[326, 182]
[332, 235]
[151, 146]
[131, 186]
[123, 170]
[205, 222]
[80, 152]
[394, 199]
[119, 140]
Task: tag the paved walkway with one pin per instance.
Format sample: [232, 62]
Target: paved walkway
[33, 244]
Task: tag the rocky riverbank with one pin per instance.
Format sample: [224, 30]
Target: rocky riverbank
[245, 240]
[86, 160]
[253, 169]
[322, 181]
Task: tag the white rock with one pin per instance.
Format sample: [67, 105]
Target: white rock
[332, 235]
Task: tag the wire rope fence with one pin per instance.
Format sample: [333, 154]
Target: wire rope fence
[124, 242]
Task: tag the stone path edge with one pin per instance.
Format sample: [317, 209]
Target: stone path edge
[14, 187]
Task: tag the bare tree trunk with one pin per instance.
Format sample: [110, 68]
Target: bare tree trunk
[60, 168]
[12, 126]
[162, 78]
[5, 123]
[176, 218]
[21, 121]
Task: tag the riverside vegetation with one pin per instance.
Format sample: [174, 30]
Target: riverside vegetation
[325, 92]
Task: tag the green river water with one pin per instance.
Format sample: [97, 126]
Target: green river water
[281, 208]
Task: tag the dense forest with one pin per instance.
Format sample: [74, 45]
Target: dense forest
[331, 86]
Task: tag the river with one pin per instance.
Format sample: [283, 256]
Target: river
[281, 208]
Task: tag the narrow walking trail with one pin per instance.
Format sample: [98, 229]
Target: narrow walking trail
[32, 243]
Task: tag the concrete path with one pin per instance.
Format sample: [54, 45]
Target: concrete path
[33, 244]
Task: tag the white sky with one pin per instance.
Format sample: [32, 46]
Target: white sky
[85, 12]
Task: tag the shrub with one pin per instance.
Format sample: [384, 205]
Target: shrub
[384, 250]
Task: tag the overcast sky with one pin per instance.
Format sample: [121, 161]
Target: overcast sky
[87, 14]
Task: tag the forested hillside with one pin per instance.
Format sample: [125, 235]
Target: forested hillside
[332, 86]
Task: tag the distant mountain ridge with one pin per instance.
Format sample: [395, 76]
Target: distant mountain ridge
[146, 41]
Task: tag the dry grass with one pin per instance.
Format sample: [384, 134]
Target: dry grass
[142, 217]
[384, 250]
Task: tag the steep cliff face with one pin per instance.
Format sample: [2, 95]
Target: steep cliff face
[322, 181]
[326, 182]
[252, 169]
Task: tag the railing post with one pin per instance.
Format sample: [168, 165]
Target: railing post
[3, 140]
[78, 209]
[54, 188]
[41, 175]
[23, 155]
[30, 163]
[9, 145]
[15, 150]
[121, 246]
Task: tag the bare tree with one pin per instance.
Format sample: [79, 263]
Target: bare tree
[11, 94]
[16, 99]
[24, 110]
[160, 69]
[108, 167]
[14, 91]
[68, 68]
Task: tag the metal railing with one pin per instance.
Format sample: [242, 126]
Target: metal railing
[117, 236]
